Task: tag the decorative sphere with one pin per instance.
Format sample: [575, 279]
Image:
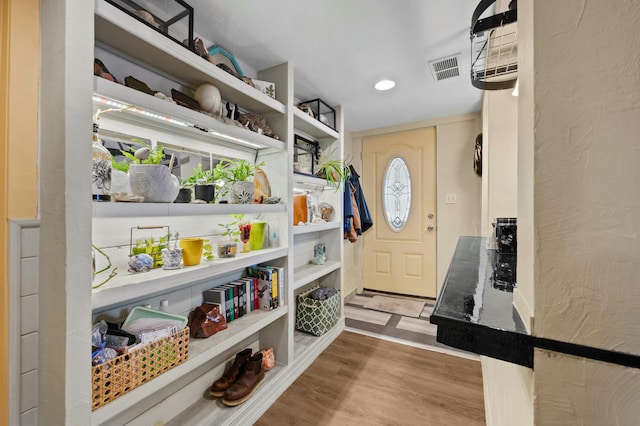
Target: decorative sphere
[209, 98]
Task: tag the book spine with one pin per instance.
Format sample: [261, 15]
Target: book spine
[264, 289]
[236, 302]
[274, 288]
[256, 300]
[281, 280]
[230, 307]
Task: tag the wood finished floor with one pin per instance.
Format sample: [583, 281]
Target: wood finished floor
[362, 380]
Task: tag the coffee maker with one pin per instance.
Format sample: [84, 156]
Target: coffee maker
[504, 272]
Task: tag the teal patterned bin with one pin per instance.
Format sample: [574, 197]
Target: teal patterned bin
[316, 316]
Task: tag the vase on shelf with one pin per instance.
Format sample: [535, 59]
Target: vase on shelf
[191, 250]
[171, 258]
[257, 234]
[242, 192]
[154, 182]
[100, 169]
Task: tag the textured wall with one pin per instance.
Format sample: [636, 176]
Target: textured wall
[587, 209]
[586, 264]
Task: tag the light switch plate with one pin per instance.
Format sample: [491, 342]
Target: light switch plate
[450, 198]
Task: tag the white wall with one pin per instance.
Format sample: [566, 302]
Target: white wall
[508, 393]
[455, 146]
[454, 162]
[500, 158]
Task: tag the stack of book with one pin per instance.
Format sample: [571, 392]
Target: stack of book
[262, 288]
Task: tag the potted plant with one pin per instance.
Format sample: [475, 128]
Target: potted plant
[229, 248]
[149, 178]
[237, 173]
[203, 184]
[333, 171]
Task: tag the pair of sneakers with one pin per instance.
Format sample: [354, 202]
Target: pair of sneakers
[238, 383]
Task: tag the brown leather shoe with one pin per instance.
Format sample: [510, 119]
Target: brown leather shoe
[251, 377]
[231, 375]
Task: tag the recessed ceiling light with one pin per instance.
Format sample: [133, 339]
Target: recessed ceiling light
[385, 85]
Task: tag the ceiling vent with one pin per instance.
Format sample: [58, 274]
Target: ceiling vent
[444, 68]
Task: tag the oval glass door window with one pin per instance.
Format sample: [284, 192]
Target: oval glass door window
[396, 193]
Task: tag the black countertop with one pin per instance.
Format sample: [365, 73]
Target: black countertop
[472, 314]
[475, 312]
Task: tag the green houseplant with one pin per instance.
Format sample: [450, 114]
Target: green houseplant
[202, 182]
[237, 174]
[228, 248]
[334, 171]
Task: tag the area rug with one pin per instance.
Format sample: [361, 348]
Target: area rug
[393, 305]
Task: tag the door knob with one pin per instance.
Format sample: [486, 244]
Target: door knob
[430, 216]
[430, 228]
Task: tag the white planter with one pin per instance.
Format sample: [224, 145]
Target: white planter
[242, 192]
[154, 182]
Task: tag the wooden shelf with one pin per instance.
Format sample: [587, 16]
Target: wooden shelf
[311, 126]
[182, 118]
[136, 40]
[109, 209]
[316, 227]
[130, 287]
[200, 352]
[305, 274]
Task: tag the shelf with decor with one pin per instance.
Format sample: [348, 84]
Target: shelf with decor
[130, 37]
[312, 127]
[133, 45]
[316, 227]
[114, 210]
[162, 114]
[201, 351]
[131, 287]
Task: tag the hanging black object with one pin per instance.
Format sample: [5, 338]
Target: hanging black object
[477, 155]
[494, 47]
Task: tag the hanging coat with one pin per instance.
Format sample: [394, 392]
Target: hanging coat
[348, 208]
[366, 221]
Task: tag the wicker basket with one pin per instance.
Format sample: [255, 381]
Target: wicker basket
[124, 373]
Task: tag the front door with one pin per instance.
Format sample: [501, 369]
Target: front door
[399, 177]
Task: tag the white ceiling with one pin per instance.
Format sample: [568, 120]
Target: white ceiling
[340, 48]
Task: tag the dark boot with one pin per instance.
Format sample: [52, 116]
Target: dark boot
[251, 377]
[231, 375]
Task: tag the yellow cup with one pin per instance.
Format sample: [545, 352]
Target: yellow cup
[191, 250]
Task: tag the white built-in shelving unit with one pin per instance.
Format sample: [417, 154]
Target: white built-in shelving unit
[177, 396]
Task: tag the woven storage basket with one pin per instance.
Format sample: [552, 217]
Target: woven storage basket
[316, 316]
[124, 373]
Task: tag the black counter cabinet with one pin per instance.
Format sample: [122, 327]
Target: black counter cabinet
[474, 312]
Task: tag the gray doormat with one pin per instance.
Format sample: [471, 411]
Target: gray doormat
[404, 307]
